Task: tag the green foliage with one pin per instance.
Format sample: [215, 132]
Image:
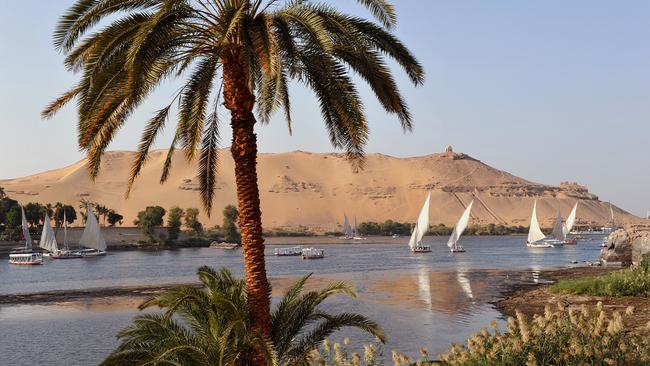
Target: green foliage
[14, 217]
[174, 217]
[35, 213]
[114, 218]
[61, 210]
[631, 282]
[211, 325]
[3, 195]
[229, 227]
[141, 44]
[299, 232]
[387, 228]
[561, 337]
[148, 219]
[192, 220]
[6, 204]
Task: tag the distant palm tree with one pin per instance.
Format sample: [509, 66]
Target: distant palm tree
[2, 193]
[211, 326]
[244, 51]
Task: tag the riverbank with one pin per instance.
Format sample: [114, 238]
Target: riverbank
[531, 299]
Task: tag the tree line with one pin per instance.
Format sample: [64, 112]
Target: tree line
[390, 227]
[11, 216]
[154, 216]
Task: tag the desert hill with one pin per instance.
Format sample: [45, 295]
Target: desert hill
[314, 190]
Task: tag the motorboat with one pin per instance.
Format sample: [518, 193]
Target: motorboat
[312, 253]
[288, 252]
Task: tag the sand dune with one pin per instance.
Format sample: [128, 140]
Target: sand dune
[314, 190]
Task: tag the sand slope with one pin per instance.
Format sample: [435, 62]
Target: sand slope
[314, 190]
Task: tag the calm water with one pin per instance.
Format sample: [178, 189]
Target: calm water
[420, 300]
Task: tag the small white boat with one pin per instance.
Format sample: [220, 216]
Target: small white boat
[224, 245]
[395, 236]
[312, 253]
[537, 239]
[27, 258]
[25, 255]
[355, 232]
[460, 227]
[605, 242]
[421, 228]
[92, 238]
[288, 252]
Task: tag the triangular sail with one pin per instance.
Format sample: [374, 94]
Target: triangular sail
[535, 232]
[558, 232]
[570, 221]
[347, 229]
[28, 238]
[611, 211]
[422, 225]
[460, 226]
[48, 239]
[354, 230]
[92, 237]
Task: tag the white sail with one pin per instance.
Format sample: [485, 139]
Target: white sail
[92, 237]
[28, 238]
[422, 225]
[570, 221]
[611, 211]
[48, 239]
[535, 233]
[354, 229]
[460, 226]
[558, 230]
[347, 229]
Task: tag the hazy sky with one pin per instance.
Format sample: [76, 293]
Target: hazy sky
[548, 90]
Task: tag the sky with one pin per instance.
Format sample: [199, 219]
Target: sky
[547, 90]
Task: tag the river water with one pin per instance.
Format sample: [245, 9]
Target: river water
[425, 300]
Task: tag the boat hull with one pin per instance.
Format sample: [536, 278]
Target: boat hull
[424, 249]
[570, 242]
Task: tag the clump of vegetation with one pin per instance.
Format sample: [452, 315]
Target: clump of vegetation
[229, 227]
[631, 282]
[561, 337]
[174, 217]
[387, 228]
[299, 232]
[192, 221]
[335, 354]
[212, 325]
[148, 219]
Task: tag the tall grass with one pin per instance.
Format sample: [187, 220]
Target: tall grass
[631, 282]
[561, 337]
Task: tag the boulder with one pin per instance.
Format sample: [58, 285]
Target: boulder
[626, 246]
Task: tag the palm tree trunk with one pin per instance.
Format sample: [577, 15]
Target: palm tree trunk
[239, 100]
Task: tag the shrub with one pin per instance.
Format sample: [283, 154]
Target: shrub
[561, 337]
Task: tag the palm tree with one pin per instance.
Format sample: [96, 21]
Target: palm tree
[244, 51]
[211, 326]
[2, 193]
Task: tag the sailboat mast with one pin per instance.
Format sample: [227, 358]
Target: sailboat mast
[65, 231]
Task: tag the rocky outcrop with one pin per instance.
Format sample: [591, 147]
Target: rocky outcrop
[626, 246]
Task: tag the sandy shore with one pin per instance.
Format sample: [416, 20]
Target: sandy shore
[531, 299]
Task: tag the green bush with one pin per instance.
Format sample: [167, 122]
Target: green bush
[632, 282]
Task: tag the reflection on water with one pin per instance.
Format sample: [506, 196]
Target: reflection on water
[420, 300]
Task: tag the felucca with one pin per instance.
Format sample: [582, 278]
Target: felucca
[568, 225]
[65, 253]
[92, 237]
[347, 229]
[537, 239]
[452, 243]
[421, 228]
[25, 255]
